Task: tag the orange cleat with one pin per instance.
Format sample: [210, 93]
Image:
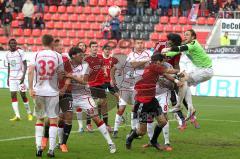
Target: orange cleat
[146, 145]
[64, 148]
[167, 147]
[182, 127]
[44, 143]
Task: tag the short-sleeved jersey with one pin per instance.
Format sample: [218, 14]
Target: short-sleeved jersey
[15, 60]
[47, 64]
[67, 69]
[198, 55]
[145, 85]
[109, 62]
[96, 76]
[79, 89]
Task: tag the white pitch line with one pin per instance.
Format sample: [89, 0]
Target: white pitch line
[29, 137]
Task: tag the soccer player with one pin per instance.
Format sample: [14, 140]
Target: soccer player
[96, 82]
[145, 102]
[82, 94]
[44, 72]
[17, 67]
[203, 71]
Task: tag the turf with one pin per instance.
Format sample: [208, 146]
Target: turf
[218, 137]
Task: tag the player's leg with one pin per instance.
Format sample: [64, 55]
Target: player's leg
[60, 129]
[46, 134]
[13, 87]
[79, 119]
[150, 129]
[26, 105]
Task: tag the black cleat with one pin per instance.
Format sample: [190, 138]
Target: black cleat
[157, 146]
[115, 134]
[39, 153]
[128, 143]
[50, 153]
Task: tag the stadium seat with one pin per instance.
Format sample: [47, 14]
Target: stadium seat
[62, 34]
[55, 17]
[135, 19]
[47, 17]
[90, 35]
[130, 26]
[36, 32]
[72, 34]
[145, 19]
[55, 33]
[75, 41]
[149, 44]
[82, 18]
[159, 28]
[61, 9]
[79, 10]
[45, 31]
[154, 36]
[104, 10]
[46, 9]
[102, 3]
[110, 2]
[121, 18]
[87, 10]
[101, 18]
[201, 21]
[163, 37]
[15, 24]
[149, 11]
[77, 26]
[64, 17]
[93, 2]
[186, 27]
[70, 9]
[135, 35]
[182, 20]
[30, 41]
[121, 3]
[157, 12]
[66, 42]
[21, 40]
[85, 26]
[58, 25]
[168, 28]
[50, 25]
[1, 31]
[91, 18]
[177, 28]
[96, 10]
[74, 2]
[123, 26]
[202, 35]
[139, 27]
[99, 35]
[38, 41]
[68, 25]
[81, 34]
[3, 40]
[20, 16]
[27, 32]
[127, 19]
[53, 9]
[103, 42]
[154, 19]
[18, 32]
[125, 35]
[149, 27]
[211, 21]
[95, 26]
[73, 17]
[144, 35]
[173, 20]
[34, 48]
[164, 20]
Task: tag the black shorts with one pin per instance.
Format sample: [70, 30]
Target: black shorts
[144, 111]
[98, 92]
[111, 89]
[65, 102]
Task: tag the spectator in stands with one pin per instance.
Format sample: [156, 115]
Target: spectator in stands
[2, 7]
[115, 27]
[1, 47]
[10, 5]
[40, 5]
[28, 11]
[131, 7]
[6, 21]
[175, 7]
[185, 6]
[225, 41]
[38, 22]
[203, 7]
[82, 2]
[164, 5]
[54, 2]
[213, 8]
[66, 2]
[18, 5]
[106, 28]
[238, 12]
[229, 7]
[140, 7]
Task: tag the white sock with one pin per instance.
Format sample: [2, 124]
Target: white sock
[60, 135]
[150, 129]
[38, 134]
[178, 119]
[15, 109]
[79, 119]
[133, 122]
[52, 136]
[27, 107]
[166, 133]
[117, 123]
[188, 98]
[105, 133]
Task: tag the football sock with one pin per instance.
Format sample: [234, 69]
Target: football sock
[52, 136]
[26, 105]
[15, 107]
[88, 119]
[46, 129]
[79, 118]
[179, 120]
[67, 130]
[38, 134]
[156, 133]
[166, 133]
[133, 120]
[189, 98]
[60, 131]
[103, 129]
[133, 135]
[150, 128]
[117, 123]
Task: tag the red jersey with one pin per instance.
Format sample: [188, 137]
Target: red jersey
[145, 85]
[109, 62]
[96, 76]
[67, 68]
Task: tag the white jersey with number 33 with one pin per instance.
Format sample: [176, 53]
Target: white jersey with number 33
[47, 64]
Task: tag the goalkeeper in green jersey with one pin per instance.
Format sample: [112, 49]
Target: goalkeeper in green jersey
[203, 72]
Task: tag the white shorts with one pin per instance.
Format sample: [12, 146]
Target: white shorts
[47, 106]
[164, 100]
[87, 104]
[199, 75]
[15, 86]
[126, 97]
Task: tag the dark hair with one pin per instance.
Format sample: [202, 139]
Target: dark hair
[92, 43]
[106, 46]
[82, 43]
[56, 40]
[74, 50]
[175, 38]
[193, 33]
[157, 57]
[11, 40]
[47, 40]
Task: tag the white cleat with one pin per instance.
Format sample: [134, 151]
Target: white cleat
[112, 148]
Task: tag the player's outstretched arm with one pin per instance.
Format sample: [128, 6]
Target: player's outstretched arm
[139, 64]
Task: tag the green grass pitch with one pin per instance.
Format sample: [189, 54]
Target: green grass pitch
[218, 137]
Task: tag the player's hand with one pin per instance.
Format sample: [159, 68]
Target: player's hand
[32, 93]
[165, 50]
[113, 83]
[180, 83]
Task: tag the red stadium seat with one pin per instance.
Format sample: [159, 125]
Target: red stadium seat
[91, 18]
[64, 17]
[53, 9]
[36, 32]
[103, 42]
[30, 41]
[173, 20]
[177, 28]
[96, 10]
[15, 24]
[62, 33]
[104, 10]
[46, 9]
[38, 41]
[87, 10]
[79, 10]
[61, 9]
[75, 41]
[70, 9]
[58, 25]
[66, 42]
[201, 21]
[154, 36]
[182, 20]
[68, 25]
[85, 26]
[149, 44]
[120, 3]
[34, 48]
[99, 35]
[159, 28]
[18, 32]
[45, 31]
[1, 31]
[93, 2]
[102, 3]
[77, 26]
[81, 34]
[50, 25]
[164, 20]
[163, 37]
[27, 32]
[100, 18]
[55, 17]
[82, 18]
[211, 21]
[95, 26]
[73, 18]
[72, 34]
[21, 40]
[110, 2]
[3, 40]
[186, 27]
[55, 33]
[20, 16]
[75, 2]
[47, 17]
[121, 18]
[168, 28]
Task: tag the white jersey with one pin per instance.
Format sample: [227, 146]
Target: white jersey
[47, 65]
[77, 88]
[15, 59]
